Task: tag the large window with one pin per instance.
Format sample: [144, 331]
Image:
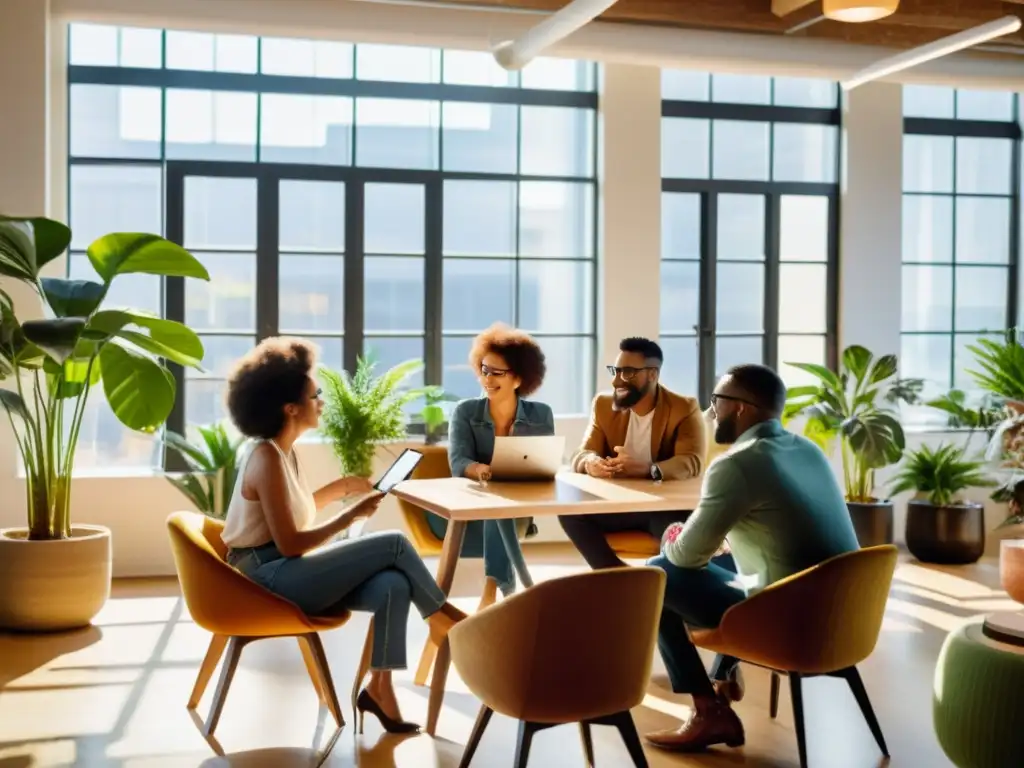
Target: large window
[749, 212]
[372, 198]
[960, 211]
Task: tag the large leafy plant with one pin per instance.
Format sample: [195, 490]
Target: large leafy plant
[362, 410]
[212, 460]
[56, 362]
[855, 407]
[940, 474]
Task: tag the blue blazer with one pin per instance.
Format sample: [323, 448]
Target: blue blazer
[471, 430]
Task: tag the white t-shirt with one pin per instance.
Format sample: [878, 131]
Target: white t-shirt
[638, 437]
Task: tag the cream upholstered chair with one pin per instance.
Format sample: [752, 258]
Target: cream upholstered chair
[550, 670]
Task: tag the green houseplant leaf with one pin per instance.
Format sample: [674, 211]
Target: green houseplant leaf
[124, 253]
[854, 409]
[940, 474]
[213, 462]
[361, 411]
[53, 364]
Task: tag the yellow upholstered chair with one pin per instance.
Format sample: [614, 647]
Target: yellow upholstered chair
[639, 545]
[239, 611]
[550, 671]
[822, 621]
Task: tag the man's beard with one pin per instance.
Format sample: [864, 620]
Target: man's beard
[725, 431]
[631, 398]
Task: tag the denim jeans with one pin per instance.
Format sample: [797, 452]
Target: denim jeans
[376, 572]
[497, 541]
[695, 597]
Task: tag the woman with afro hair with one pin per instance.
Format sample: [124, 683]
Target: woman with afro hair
[273, 537]
[510, 366]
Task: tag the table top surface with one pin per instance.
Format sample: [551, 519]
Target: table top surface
[458, 498]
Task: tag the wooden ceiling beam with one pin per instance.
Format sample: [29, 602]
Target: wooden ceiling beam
[786, 7]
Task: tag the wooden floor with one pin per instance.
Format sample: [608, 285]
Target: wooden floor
[114, 694]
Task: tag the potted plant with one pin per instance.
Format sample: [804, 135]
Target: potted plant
[213, 465]
[856, 408]
[433, 416]
[56, 575]
[941, 526]
[363, 410]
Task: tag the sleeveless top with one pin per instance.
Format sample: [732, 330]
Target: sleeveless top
[245, 524]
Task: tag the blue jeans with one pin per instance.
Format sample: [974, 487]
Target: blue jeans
[696, 597]
[376, 572]
[497, 541]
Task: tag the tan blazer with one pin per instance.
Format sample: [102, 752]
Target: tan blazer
[678, 434]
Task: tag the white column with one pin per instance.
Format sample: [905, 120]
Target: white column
[630, 207]
[871, 216]
[24, 177]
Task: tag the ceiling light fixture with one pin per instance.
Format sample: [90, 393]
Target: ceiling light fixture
[938, 49]
[857, 11]
[516, 54]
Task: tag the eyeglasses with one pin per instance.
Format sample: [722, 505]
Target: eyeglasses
[628, 374]
[497, 373]
[715, 397]
[317, 394]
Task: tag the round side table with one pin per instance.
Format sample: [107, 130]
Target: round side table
[978, 700]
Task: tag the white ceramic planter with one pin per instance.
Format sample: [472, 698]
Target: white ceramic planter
[48, 586]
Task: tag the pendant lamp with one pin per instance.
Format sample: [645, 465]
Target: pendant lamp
[856, 11]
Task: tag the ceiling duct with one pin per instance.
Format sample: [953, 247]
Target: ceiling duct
[516, 54]
[936, 50]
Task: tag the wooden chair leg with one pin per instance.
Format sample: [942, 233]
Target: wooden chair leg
[852, 677]
[587, 738]
[796, 691]
[526, 731]
[364, 667]
[316, 648]
[217, 645]
[426, 663]
[482, 719]
[311, 669]
[773, 704]
[227, 674]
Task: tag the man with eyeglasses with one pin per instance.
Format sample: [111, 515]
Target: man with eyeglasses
[774, 494]
[639, 430]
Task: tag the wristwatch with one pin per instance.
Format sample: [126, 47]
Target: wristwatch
[656, 473]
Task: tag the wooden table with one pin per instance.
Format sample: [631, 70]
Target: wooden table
[461, 501]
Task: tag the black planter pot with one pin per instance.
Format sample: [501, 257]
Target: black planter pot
[948, 535]
[872, 521]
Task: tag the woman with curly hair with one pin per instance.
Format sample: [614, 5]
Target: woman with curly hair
[273, 538]
[511, 367]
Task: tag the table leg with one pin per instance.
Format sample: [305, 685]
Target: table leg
[510, 537]
[450, 552]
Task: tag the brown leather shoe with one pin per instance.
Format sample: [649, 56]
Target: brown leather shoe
[732, 688]
[719, 725]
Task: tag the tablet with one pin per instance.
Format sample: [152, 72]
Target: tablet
[400, 470]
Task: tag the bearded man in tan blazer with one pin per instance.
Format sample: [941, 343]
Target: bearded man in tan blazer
[639, 430]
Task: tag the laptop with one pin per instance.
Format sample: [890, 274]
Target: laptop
[527, 458]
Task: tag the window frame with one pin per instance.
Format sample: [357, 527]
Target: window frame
[268, 174]
[773, 191]
[969, 128]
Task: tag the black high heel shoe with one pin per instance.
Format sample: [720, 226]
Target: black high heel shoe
[366, 703]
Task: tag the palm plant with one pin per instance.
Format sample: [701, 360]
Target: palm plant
[855, 407]
[362, 410]
[213, 465]
[940, 474]
[1000, 366]
[56, 362]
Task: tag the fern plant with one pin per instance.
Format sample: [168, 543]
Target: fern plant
[940, 474]
[1000, 366]
[213, 464]
[362, 410]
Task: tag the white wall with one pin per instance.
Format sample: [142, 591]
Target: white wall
[33, 179]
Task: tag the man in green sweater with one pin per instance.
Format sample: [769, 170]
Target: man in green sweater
[776, 498]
